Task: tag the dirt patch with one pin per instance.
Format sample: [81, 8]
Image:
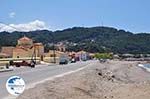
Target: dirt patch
[111, 80]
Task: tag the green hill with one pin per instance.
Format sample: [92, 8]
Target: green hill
[94, 39]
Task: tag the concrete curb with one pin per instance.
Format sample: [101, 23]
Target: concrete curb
[6, 70]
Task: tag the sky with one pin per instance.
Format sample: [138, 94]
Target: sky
[28, 15]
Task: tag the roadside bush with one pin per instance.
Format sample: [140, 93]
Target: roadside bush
[103, 56]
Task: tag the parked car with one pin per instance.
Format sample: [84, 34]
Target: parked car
[63, 59]
[23, 63]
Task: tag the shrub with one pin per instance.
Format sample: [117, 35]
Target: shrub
[103, 56]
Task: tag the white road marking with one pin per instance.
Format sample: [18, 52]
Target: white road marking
[34, 70]
[48, 79]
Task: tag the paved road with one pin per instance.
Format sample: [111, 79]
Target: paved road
[37, 74]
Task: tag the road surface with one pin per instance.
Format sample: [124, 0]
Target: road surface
[38, 74]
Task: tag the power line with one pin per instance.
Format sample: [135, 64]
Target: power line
[8, 25]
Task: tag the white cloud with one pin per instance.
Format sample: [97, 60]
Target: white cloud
[12, 14]
[31, 26]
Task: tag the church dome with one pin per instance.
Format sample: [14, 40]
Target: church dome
[25, 41]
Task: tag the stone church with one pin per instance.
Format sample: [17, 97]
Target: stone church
[26, 48]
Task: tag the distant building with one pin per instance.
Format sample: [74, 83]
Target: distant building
[83, 55]
[49, 57]
[61, 47]
[80, 56]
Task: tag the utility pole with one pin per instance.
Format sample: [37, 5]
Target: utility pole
[54, 53]
[35, 53]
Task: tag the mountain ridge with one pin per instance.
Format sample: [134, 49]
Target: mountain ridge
[92, 39]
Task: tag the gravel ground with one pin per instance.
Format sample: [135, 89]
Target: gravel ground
[111, 80]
